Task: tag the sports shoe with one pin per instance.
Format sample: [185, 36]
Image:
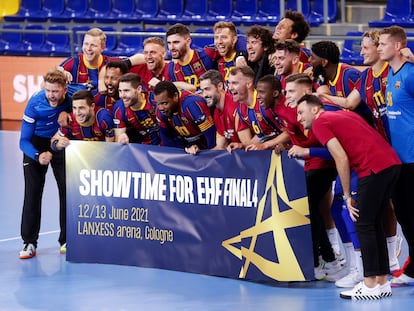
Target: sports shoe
[63, 249]
[361, 292]
[319, 271]
[334, 271]
[28, 251]
[386, 289]
[402, 280]
[397, 273]
[350, 280]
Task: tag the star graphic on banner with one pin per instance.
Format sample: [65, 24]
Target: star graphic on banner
[285, 265]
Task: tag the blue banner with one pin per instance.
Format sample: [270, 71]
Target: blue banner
[238, 215]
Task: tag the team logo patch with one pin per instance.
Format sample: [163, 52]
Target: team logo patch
[197, 66]
[397, 85]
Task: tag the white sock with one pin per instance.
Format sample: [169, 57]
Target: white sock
[392, 254]
[358, 262]
[349, 255]
[333, 238]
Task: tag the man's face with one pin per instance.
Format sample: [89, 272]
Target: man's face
[255, 49]
[283, 30]
[239, 87]
[178, 46]
[284, 62]
[55, 93]
[369, 51]
[111, 80]
[92, 48]
[166, 104]
[210, 92]
[154, 55]
[387, 47]
[82, 111]
[265, 94]
[294, 92]
[224, 41]
[128, 93]
[306, 115]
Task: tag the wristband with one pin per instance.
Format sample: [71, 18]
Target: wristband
[346, 197]
[54, 145]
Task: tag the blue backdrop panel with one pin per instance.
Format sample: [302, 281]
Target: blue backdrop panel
[239, 215]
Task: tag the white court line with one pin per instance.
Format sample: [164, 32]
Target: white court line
[19, 237]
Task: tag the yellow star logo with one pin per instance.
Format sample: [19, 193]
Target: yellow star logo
[287, 267]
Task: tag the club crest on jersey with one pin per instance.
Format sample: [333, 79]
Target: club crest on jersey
[197, 66]
[397, 85]
[259, 117]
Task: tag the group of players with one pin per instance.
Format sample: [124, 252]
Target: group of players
[235, 95]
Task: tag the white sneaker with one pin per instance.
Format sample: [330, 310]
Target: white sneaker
[350, 280]
[340, 258]
[361, 292]
[334, 271]
[402, 280]
[28, 251]
[319, 271]
[385, 289]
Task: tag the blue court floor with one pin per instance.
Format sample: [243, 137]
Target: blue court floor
[49, 282]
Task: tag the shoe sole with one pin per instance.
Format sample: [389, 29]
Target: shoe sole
[27, 256]
[360, 297]
[402, 284]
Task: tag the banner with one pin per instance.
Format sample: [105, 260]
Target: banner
[20, 78]
[238, 215]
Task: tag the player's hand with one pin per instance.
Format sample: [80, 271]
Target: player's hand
[64, 119]
[123, 139]
[323, 90]
[45, 157]
[255, 147]
[407, 54]
[153, 82]
[353, 211]
[298, 152]
[241, 61]
[234, 146]
[194, 149]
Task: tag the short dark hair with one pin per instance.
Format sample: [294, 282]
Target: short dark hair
[327, 50]
[166, 86]
[273, 81]
[311, 100]
[290, 46]
[83, 94]
[299, 26]
[264, 34]
[123, 67]
[178, 29]
[132, 78]
[214, 76]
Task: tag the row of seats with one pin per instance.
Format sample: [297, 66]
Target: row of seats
[59, 40]
[397, 12]
[199, 12]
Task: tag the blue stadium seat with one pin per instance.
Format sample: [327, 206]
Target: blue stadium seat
[78, 34]
[244, 12]
[350, 53]
[111, 40]
[27, 9]
[98, 10]
[49, 9]
[122, 11]
[316, 16]
[268, 12]
[11, 42]
[73, 9]
[396, 12]
[57, 44]
[194, 12]
[219, 11]
[33, 42]
[162, 30]
[129, 45]
[170, 12]
[293, 5]
[198, 43]
[147, 9]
